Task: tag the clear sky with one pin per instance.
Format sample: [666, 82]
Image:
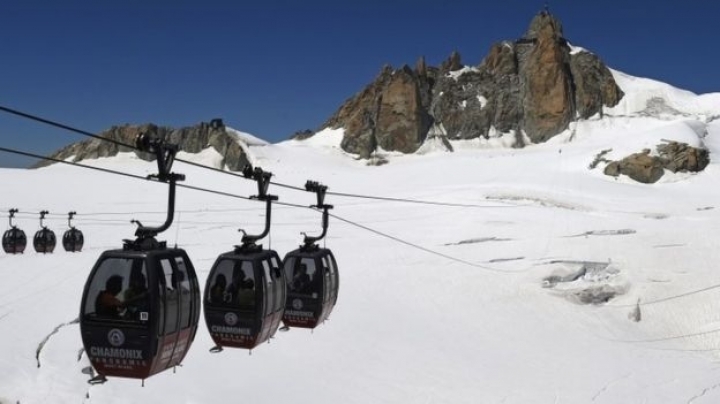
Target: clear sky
[273, 67]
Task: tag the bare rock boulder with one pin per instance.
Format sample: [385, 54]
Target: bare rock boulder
[641, 167]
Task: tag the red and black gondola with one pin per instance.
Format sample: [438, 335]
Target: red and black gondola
[141, 304]
[44, 240]
[14, 240]
[245, 290]
[73, 239]
[312, 275]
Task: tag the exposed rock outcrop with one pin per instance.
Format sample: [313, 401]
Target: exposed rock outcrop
[673, 156]
[548, 94]
[533, 87]
[681, 157]
[641, 167]
[190, 139]
[302, 134]
[594, 84]
[389, 113]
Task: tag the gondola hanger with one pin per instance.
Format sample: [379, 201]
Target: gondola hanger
[14, 240]
[165, 156]
[245, 290]
[311, 273]
[263, 182]
[309, 242]
[73, 238]
[11, 216]
[44, 240]
[43, 213]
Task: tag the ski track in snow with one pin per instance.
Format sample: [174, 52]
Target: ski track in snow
[607, 386]
[703, 393]
[45, 340]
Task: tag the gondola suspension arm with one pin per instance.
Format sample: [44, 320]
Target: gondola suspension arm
[42, 217]
[263, 182]
[12, 215]
[165, 156]
[320, 190]
[70, 218]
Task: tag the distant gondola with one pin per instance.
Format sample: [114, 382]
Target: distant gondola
[44, 240]
[14, 239]
[141, 304]
[245, 290]
[73, 238]
[312, 275]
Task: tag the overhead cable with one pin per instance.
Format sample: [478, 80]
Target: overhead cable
[227, 194]
[194, 164]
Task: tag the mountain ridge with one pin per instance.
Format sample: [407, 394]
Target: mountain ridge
[533, 86]
[426, 109]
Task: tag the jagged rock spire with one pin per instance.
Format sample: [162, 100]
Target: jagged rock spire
[532, 87]
[546, 25]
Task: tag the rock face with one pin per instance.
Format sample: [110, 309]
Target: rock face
[389, 113]
[532, 87]
[646, 168]
[594, 85]
[680, 157]
[190, 139]
[548, 92]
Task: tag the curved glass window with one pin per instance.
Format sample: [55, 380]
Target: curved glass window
[119, 291]
[233, 285]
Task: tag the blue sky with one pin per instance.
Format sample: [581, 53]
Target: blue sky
[274, 67]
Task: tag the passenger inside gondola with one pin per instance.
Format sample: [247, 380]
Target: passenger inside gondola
[301, 280]
[242, 289]
[107, 304]
[135, 297]
[217, 291]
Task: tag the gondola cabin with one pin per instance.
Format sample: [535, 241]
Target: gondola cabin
[14, 240]
[73, 238]
[139, 311]
[141, 304]
[312, 286]
[244, 298]
[311, 274]
[44, 240]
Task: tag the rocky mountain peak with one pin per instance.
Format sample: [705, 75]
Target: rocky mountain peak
[544, 26]
[193, 139]
[452, 63]
[531, 88]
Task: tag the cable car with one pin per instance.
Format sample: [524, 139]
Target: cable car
[73, 238]
[245, 290]
[44, 240]
[14, 239]
[141, 304]
[312, 275]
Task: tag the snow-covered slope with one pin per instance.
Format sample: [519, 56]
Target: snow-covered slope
[650, 97]
[499, 317]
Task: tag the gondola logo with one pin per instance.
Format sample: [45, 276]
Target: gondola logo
[116, 337]
[231, 319]
[297, 304]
